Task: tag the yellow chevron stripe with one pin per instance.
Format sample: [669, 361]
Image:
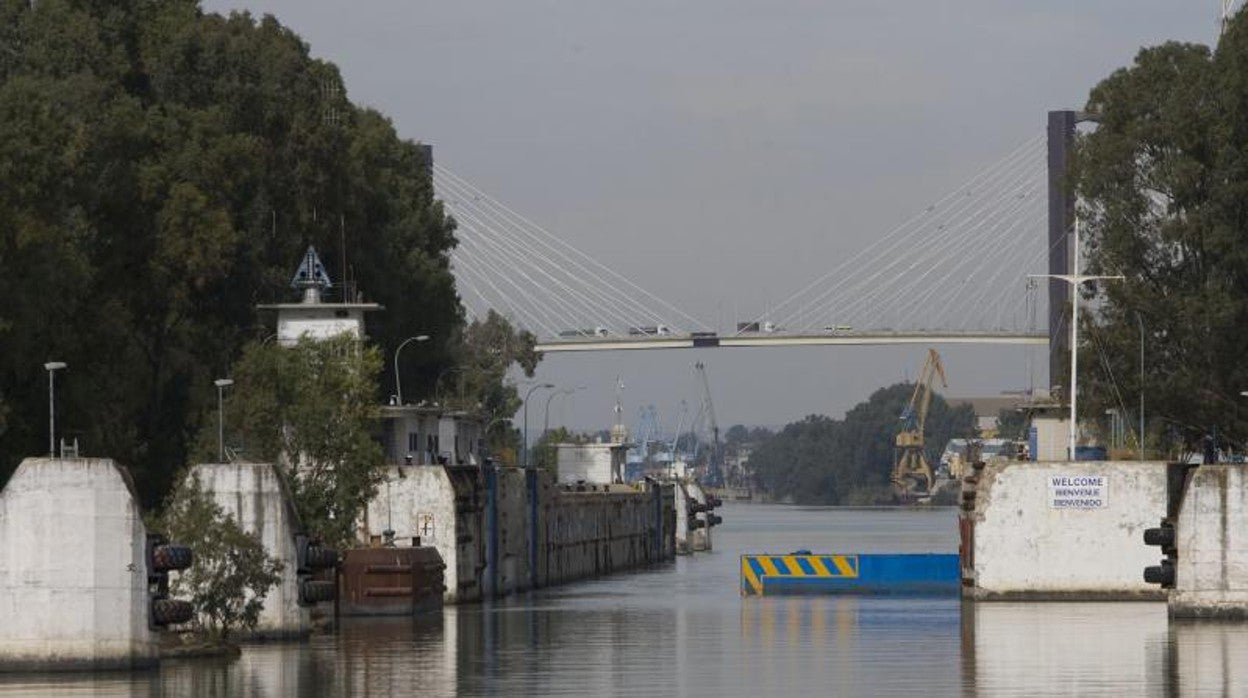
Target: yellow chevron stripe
[769, 566]
[750, 577]
[821, 570]
[844, 566]
[795, 570]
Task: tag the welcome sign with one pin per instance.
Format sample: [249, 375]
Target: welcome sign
[1078, 491]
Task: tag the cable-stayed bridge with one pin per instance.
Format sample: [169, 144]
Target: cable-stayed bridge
[954, 271]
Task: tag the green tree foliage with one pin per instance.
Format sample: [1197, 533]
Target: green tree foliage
[1164, 181]
[1012, 423]
[161, 172]
[231, 574]
[477, 382]
[820, 460]
[311, 409]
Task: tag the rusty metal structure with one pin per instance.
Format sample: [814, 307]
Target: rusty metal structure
[390, 581]
[912, 475]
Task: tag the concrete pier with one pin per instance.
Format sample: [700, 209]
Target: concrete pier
[73, 569]
[1211, 544]
[256, 497]
[1060, 530]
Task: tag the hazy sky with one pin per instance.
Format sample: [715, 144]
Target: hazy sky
[723, 153]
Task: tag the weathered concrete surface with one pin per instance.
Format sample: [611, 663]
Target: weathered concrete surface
[256, 497]
[700, 538]
[73, 569]
[443, 507]
[595, 463]
[595, 532]
[690, 539]
[1025, 547]
[582, 531]
[513, 539]
[1211, 540]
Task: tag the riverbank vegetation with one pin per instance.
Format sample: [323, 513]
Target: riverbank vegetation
[162, 171]
[820, 460]
[1163, 180]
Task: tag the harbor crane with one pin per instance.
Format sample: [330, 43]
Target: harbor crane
[912, 475]
[714, 470]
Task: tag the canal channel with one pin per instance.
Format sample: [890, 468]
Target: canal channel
[683, 629]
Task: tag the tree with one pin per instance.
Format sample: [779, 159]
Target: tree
[820, 460]
[231, 574]
[311, 409]
[1164, 180]
[484, 353]
[1012, 423]
[161, 172]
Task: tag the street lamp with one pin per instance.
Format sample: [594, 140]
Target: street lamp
[526, 418]
[1075, 280]
[52, 367]
[222, 384]
[552, 396]
[398, 383]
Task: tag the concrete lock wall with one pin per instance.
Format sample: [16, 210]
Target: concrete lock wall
[595, 531]
[1211, 543]
[513, 539]
[256, 497]
[1062, 530]
[442, 507]
[73, 569]
[592, 532]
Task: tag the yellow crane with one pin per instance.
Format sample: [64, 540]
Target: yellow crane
[912, 475]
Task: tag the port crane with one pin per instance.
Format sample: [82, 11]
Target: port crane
[912, 475]
[714, 470]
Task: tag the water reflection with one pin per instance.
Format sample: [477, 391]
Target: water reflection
[1065, 648]
[682, 629]
[1208, 658]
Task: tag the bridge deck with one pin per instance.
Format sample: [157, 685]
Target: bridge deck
[787, 339]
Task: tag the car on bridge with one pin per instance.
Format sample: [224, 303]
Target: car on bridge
[596, 332]
[652, 331]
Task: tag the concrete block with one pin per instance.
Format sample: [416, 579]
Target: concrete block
[690, 538]
[1211, 542]
[73, 569]
[1063, 530]
[255, 495]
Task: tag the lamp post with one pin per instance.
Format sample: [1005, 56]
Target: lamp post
[222, 384]
[398, 383]
[526, 418]
[552, 396]
[52, 367]
[1075, 280]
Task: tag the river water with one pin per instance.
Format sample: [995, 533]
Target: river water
[683, 629]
